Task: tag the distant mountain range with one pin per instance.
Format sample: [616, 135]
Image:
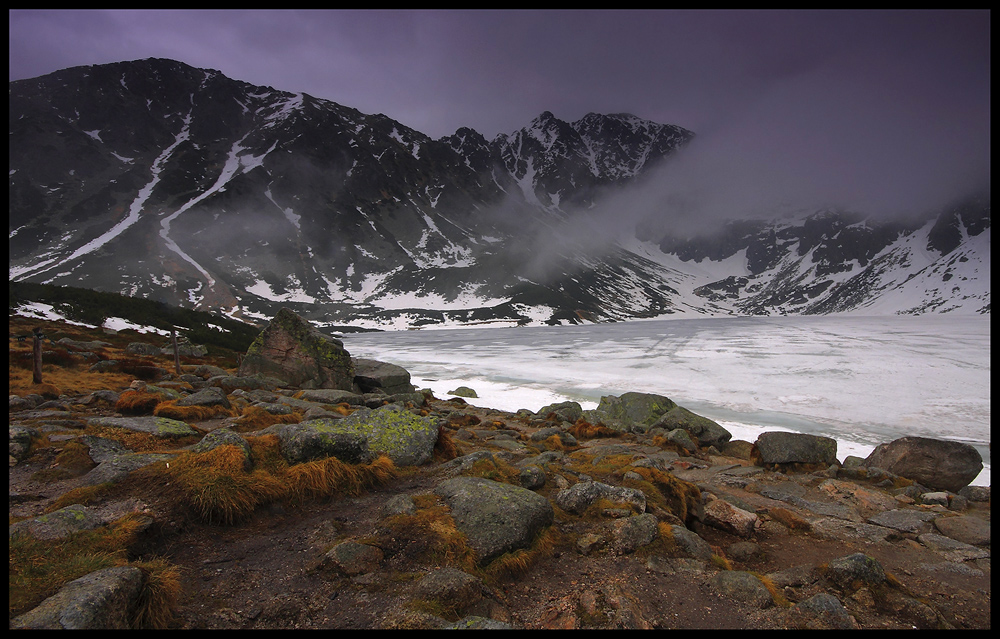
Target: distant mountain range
[159, 180]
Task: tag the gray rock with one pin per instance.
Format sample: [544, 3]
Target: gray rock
[495, 517]
[464, 391]
[532, 477]
[101, 600]
[565, 411]
[631, 533]
[371, 375]
[208, 397]
[291, 349]
[970, 530]
[821, 612]
[743, 587]
[952, 549]
[399, 505]
[353, 558]
[785, 448]
[406, 438]
[577, 498]
[159, 426]
[142, 348]
[722, 515]
[976, 493]
[56, 525]
[903, 519]
[935, 463]
[101, 449]
[332, 396]
[690, 543]
[703, 430]
[118, 467]
[20, 438]
[632, 412]
[451, 586]
[682, 438]
[853, 571]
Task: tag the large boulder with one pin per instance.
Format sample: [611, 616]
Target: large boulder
[935, 463]
[404, 437]
[372, 375]
[495, 517]
[779, 447]
[702, 429]
[293, 350]
[632, 412]
[102, 600]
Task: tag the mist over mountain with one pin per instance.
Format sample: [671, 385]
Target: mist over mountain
[159, 180]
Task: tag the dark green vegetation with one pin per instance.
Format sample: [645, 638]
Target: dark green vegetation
[94, 307]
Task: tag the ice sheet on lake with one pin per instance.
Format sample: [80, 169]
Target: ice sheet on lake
[861, 380]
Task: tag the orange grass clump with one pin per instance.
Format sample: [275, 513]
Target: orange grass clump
[583, 429]
[138, 402]
[171, 410]
[444, 447]
[255, 418]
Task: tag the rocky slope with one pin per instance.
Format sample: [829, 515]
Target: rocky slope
[664, 523]
[159, 180]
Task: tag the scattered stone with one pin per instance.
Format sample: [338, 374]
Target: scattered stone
[821, 612]
[631, 533]
[564, 411]
[903, 519]
[20, 440]
[853, 571]
[724, 516]
[353, 558]
[225, 437]
[632, 412]
[464, 391]
[453, 587]
[209, 397]
[744, 587]
[159, 426]
[580, 496]
[935, 463]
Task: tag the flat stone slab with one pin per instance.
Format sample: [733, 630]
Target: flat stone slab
[905, 520]
[159, 426]
[56, 525]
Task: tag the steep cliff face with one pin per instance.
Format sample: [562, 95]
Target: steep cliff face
[156, 179]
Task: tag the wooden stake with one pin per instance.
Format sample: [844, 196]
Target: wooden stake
[177, 355]
[36, 348]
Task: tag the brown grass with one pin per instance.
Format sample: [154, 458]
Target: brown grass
[255, 418]
[444, 447]
[159, 595]
[138, 402]
[69, 381]
[583, 429]
[191, 413]
[428, 536]
[679, 497]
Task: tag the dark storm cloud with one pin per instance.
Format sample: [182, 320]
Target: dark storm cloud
[887, 110]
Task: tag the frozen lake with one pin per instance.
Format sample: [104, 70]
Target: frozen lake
[861, 380]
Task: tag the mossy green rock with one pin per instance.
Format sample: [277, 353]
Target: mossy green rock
[159, 426]
[408, 440]
[702, 429]
[632, 412]
[495, 517]
[294, 351]
[56, 525]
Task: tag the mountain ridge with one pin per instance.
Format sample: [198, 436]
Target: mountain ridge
[156, 179]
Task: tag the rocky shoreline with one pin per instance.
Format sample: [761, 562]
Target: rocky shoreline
[639, 514]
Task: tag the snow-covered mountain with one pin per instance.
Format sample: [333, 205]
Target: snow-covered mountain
[159, 180]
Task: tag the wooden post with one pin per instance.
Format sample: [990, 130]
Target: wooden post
[36, 349]
[177, 355]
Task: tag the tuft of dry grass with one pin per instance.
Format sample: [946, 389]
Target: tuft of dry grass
[255, 418]
[680, 497]
[428, 536]
[135, 402]
[171, 410]
[39, 568]
[444, 448]
[159, 595]
[583, 429]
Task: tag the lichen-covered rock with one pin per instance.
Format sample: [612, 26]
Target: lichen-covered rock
[224, 437]
[208, 397]
[632, 412]
[408, 440]
[20, 438]
[631, 533]
[293, 350]
[704, 431]
[579, 497]
[744, 587]
[159, 426]
[853, 571]
[102, 600]
[353, 558]
[58, 524]
[495, 517]
[565, 411]
[778, 447]
[935, 463]
[822, 611]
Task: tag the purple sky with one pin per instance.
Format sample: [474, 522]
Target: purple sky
[875, 103]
